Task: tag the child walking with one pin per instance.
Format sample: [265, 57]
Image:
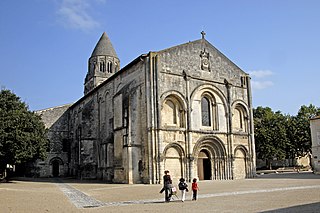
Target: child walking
[195, 189]
[183, 187]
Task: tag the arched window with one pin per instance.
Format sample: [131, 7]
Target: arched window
[209, 111]
[172, 113]
[171, 109]
[109, 67]
[205, 112]
[102, 66]
[239, 119]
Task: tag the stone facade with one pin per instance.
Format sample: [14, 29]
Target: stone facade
[56, 163]
[186, 109]
[315, 137]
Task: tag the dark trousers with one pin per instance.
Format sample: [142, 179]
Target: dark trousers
[194, 195]
[168, 194]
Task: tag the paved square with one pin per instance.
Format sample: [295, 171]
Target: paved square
[287, 192]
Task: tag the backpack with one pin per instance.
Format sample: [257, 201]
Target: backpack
[182, 186]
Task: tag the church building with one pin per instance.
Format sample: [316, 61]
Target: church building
[186, 109]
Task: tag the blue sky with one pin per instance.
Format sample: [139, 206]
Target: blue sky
[45, 44]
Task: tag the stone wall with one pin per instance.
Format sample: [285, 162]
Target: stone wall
[186, 109]
[184, 77]
[56, 121]
[315, 136]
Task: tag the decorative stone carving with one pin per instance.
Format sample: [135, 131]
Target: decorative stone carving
[205, 61]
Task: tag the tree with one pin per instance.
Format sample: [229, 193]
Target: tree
[270, 134]
[22, 133]
[283, 136]
[299, 130]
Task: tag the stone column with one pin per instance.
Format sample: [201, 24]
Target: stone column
[251, 128]
[189, 162]
[229, 153]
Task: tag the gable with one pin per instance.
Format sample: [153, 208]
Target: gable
[200, 59]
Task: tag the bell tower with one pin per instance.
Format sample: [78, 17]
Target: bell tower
[103, 63]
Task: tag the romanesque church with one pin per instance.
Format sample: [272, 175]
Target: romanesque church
[186, 109]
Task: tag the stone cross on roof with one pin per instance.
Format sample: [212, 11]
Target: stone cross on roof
[203, 34]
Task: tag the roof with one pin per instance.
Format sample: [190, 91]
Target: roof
[104, 47]
[205, 44]
[315, 118]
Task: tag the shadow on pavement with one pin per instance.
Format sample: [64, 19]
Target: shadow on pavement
[289, 175]
[285, 175]
[312, 207]
[58, 180]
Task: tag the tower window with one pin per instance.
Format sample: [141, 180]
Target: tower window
[109, 68]
[243, 81]
[102, 66]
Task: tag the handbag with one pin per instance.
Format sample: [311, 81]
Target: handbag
[174, 190]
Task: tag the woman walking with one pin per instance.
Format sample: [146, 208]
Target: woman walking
[167, 185]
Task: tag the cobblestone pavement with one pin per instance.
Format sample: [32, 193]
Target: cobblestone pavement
[287, 192]
[78, 198]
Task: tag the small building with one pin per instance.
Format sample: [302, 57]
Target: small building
[186, 109]
[315, 137]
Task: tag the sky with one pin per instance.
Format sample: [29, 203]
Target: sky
[45, 44]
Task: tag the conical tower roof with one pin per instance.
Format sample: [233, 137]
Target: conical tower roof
[104, 47]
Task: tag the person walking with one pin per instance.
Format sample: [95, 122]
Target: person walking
[167, 185]
[183, 187]
[195, 189]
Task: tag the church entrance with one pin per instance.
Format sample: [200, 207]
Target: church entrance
[204, 166]
[55, 168]
[211, 160]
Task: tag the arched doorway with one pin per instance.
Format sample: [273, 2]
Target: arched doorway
[56, 164]
[204, 165]
[210, 155]
[55, 168]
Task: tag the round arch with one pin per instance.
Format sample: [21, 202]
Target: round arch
[56, 164]
[214, 115]
[210, 160]
[240, 115]
[173, 158]
[173, 110]
[242, 104]
[240, 162]
[209, 89]
[180, 97]
[57, 159]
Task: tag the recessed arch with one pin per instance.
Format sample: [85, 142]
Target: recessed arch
[209, 109]
[173, 157]
[220, 97]
[240, 162]
[58, 159]
[209, 112]
[179, 96]
[210, 158]
[56, 163]
[173, 111]
[240, 117]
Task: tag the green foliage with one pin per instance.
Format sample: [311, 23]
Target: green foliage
[22, 133]
[270, 134]
[282, 136]
[299, 131]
